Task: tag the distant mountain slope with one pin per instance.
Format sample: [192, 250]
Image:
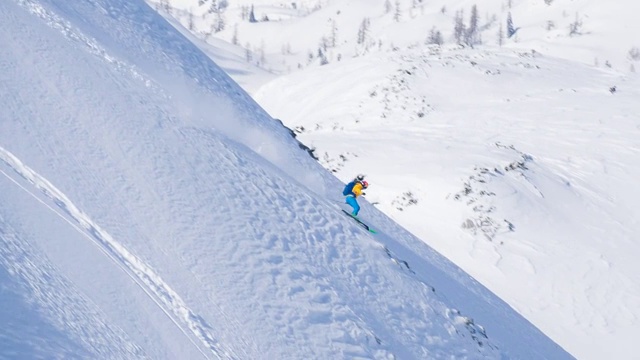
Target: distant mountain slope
[514, 165]
[289, 36]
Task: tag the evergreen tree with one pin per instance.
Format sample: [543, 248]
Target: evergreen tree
[398, 13]
[263, 57]
[252, 16]
[510, 29]
[234, 38]
[363, 31]
[471, 35]
[244, 12]
[435, 37]
[219, 23]
[387, 6]
[248, 54]
[213, 7]
[190, 24]
[333, 38]
[459, 27]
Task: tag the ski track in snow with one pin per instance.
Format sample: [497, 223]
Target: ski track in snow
[149, 281]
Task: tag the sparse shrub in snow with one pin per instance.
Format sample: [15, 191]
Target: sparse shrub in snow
[634, 54]
[575, 28]
[476, 194]
[406, 199]
[551, 25]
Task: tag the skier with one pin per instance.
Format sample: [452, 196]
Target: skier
[354, 189]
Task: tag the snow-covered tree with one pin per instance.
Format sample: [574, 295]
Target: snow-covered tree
[333, 37]
[324, 44]
[435, 37]
[471, 33]
[387, 6]
[218, 22]
[248, 54]
[398, 13]
[323, 57]
[244, 12]
[459, 27]
[234, 37]
[213, 7]
[190, 23]
[363, 31]
[263, 55]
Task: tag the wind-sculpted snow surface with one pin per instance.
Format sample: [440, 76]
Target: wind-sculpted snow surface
[149, 208]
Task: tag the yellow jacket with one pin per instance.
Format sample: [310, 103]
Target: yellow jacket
[357, 189]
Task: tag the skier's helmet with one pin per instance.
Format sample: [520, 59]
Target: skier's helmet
[365, 184]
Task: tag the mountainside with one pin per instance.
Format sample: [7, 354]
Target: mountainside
[288, 36]
[525, 176]
[510, 149]
[151, 209]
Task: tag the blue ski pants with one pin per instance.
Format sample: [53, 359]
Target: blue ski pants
[351, 200]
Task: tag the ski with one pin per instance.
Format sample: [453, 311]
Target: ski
[360, 222]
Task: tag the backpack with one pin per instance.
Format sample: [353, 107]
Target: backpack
[348, 188]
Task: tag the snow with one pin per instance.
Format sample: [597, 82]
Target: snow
[572, 203]
[151, 209]
[518, 163]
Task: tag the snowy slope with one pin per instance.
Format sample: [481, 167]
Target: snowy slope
[604, 34]
[527, 175]
[150, 208]
[516, 162]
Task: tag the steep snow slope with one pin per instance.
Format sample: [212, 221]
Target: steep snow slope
[149, 208]
[512, 144]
